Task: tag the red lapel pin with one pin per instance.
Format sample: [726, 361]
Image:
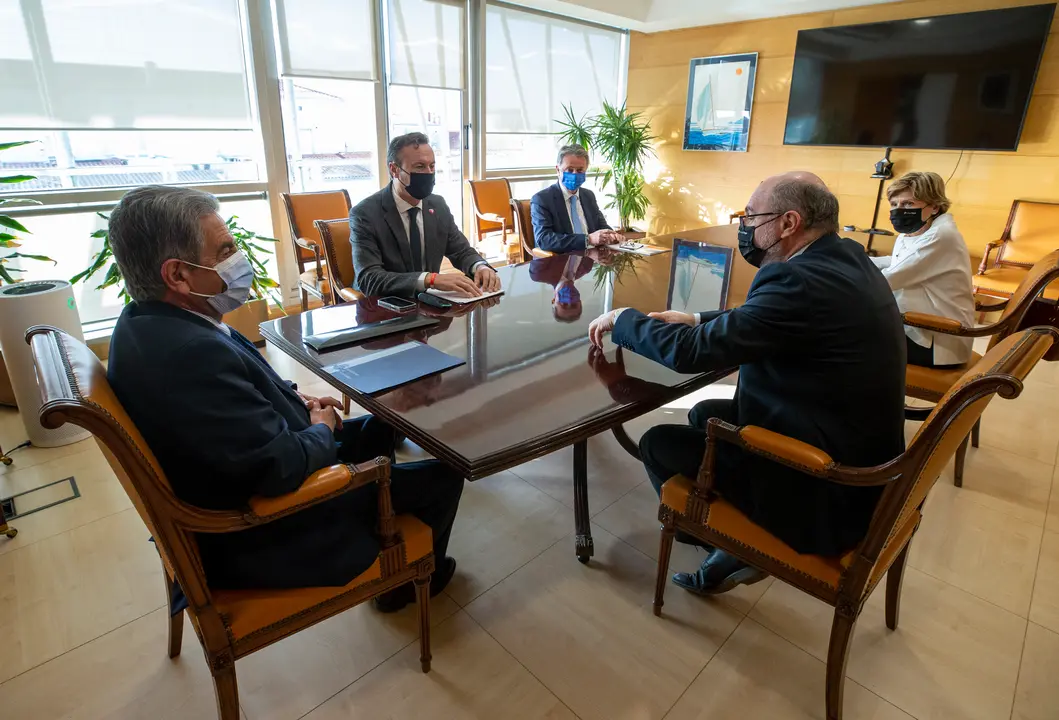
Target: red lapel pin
[430, 210]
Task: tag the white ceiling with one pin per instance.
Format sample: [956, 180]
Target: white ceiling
[657, 15]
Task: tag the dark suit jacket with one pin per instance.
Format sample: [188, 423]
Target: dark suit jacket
[821, 353]
[552, 230]
[224, 427]
[382, 258]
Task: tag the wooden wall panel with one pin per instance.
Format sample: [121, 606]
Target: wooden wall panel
[689, 189]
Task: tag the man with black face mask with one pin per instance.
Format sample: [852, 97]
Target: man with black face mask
[821, 355]
[401, 234]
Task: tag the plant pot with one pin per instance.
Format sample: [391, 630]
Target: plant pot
[7, 393]
[247, 319]
[632, 233]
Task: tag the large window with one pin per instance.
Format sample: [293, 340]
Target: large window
[126, 93]
[328, 95]
[535, 64]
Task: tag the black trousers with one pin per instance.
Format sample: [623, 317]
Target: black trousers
[669, 450]
[331, 543]
[428, 490]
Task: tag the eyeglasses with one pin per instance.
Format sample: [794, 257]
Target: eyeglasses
[742, 218]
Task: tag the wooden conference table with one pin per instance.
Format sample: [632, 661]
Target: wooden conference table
[530, 385]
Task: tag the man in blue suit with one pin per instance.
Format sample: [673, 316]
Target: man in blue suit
[820, 349]
[224, 426]
[565, 216]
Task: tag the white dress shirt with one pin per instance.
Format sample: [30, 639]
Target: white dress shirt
[403, 206]
[580, 210]
[931, 273]
[216, 323]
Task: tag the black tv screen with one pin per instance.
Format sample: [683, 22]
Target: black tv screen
[948, 82]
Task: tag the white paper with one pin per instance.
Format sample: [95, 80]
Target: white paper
[637, 248]
[454, 296]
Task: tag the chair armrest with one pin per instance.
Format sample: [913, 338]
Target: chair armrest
[786, 450]
[990, 246]
[935, 323]
[491, 217]
[982, 303]
[350, 295]
[795, 454]
[313, 247]
[322, 485]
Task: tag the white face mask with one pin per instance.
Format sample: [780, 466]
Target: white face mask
[238, 276]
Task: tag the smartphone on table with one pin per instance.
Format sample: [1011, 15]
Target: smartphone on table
[397, 305]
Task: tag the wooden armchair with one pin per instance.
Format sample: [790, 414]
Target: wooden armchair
[230, 623]
[524, 225]
[302, 210]
[1031, 232]
[846, 582]
[334, 236]
[491, 204]
[932, 384]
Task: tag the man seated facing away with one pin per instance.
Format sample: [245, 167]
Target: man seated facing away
[821, 355]
[225, 427]
[565, 216]
[401, 234]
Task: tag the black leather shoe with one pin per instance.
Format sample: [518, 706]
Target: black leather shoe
[397, 599]
[719, 573]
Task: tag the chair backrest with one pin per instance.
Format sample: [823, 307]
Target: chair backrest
[524, 226]
[914, 473]
[74, 389]
[334, 234]
[305, 208]
[1032, 232]
[1043, 272]
[491, 196]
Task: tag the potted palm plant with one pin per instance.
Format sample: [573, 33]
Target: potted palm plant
[623, 140]
[247, 318]
[9, 241]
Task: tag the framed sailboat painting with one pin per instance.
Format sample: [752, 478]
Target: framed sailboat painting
[720, 96]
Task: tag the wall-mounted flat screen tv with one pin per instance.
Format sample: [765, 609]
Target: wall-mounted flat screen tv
[959, 82]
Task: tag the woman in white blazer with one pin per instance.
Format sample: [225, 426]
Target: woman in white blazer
[930, 269]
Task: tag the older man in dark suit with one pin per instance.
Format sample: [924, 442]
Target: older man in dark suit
[401, 234]
[225, 426]
[821, 354]
[566, 217]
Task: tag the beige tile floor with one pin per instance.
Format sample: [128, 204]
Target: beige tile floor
[525, 631]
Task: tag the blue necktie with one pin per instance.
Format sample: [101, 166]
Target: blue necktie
[575, 218]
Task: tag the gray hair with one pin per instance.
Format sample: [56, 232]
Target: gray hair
[400, 142]
[814, 202]
[152, 224]
[575, 150]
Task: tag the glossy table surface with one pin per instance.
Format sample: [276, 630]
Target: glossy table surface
[531, 384]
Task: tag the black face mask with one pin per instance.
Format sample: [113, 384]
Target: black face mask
[420, 185]
[907, 220]
[751, 252]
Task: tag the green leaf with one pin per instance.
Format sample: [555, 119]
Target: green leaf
[12, 179]
[99, 234]
[19, 201]
[10, 222]
[17, 143]
[42, 258]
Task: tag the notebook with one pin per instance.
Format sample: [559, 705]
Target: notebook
[455, 297]
[392, 367]
[347, 334]
[637, 248]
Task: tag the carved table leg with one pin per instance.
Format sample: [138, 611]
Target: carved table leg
[625, 441]
[583, 542]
